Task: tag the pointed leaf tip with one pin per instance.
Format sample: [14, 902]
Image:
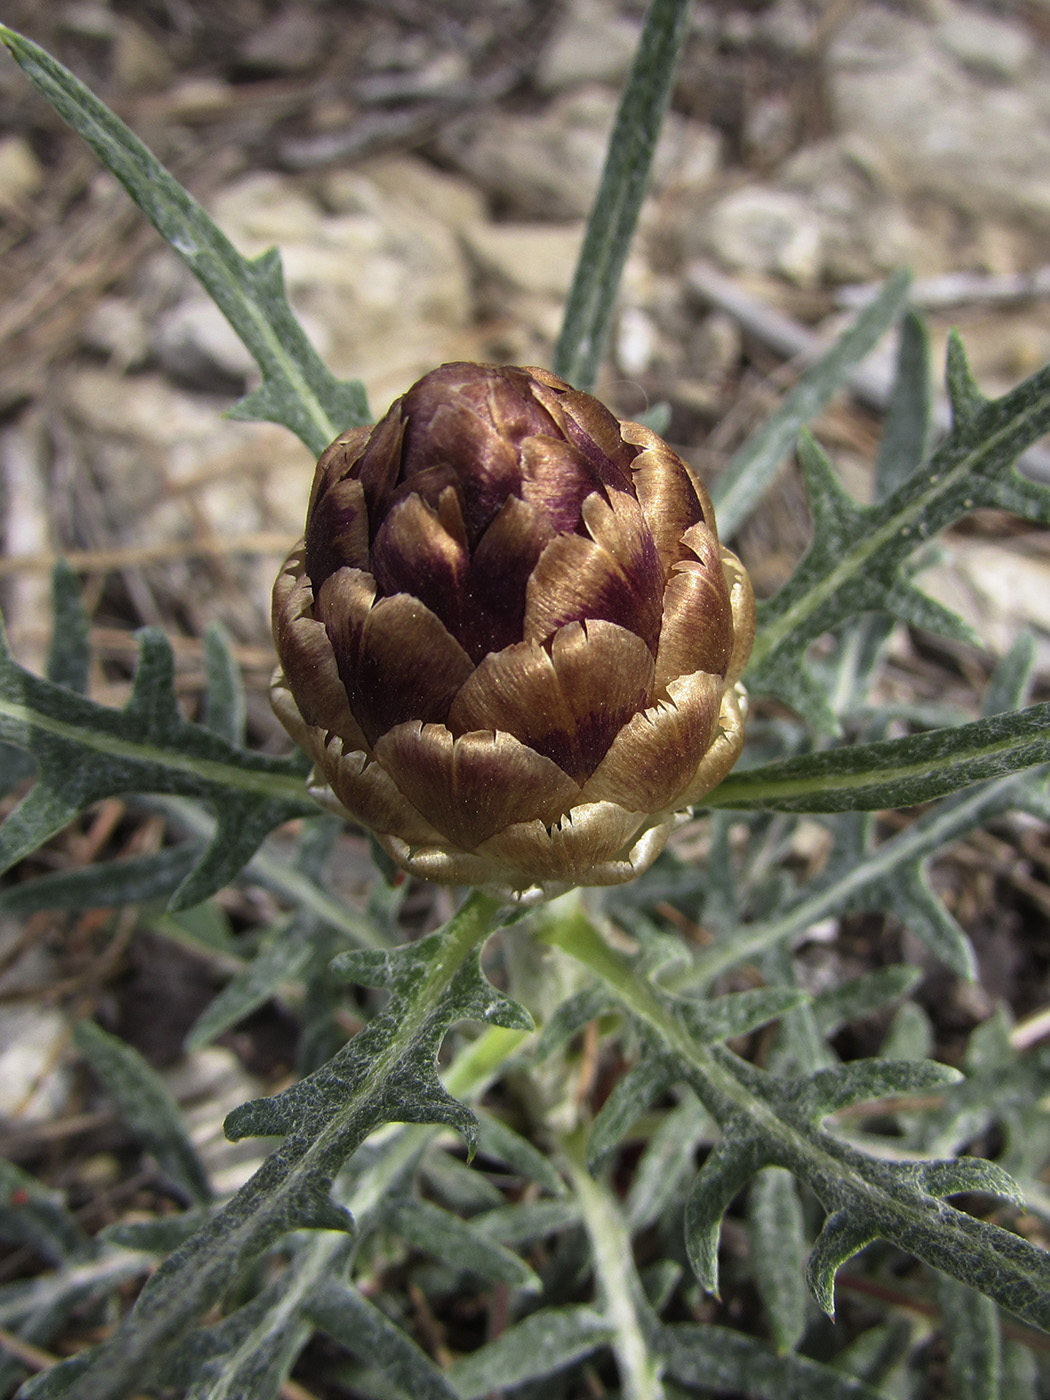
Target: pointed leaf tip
[831, 506]
[726, 1172]
[69, 655]
[964, 1174]
[966, 398]
[317, 1211]
[257, 1118]
[837, 1242]
[862, 1081]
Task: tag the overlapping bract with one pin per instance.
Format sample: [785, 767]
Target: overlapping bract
[510, 639]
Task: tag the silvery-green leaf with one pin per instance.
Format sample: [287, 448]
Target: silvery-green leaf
[540, 1345]
[778, 1253]
[860, 996]
[856, 561]
[146, 1106]
[725, 1173]
[722, 1361]
[632, 1094]
[446, 1237]
[85, 752]
[750, 471]
[348, 1317]
[632, 143]
[971, 1324]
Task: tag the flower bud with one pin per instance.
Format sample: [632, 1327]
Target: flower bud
[510, 639]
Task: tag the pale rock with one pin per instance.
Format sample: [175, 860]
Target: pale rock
[715, 347]
[592, 43]
[424, 75]
[196, 97]
[25, 528]
[545, 165]
[21, 174]
[999, 589]
[263, 210]
[738, 29]
[379, 277]
[160, 282]
[90, 18]
[986, 44]
[636, 341]
[983, 147]
[174, 466]
[35, 1083]
[538, 259]
[383, 280]
[196, 344]
[147, 409]
[1004, 248]
[397, 49]
[524, 274]
[688, 155]
[846, 188]
[444, 198]
[652, 322]
[757, 229]
[209, 1084]
[117, 328]
[704, 23]
[877, 36]
[824, 931]
[288, 43]
[139, 62]
[548, 165]
[769, 128]
[174, 470]
[787, 27]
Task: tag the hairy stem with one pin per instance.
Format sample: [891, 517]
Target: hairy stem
[617, 1279]
[881, 1204]
[196, 1276]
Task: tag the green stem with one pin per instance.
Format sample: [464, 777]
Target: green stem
[722, 1092]
[615, 1272]
[322, 1255]
[710, 1071]
[843, 1178]
[479, 1062]
[198, 1275]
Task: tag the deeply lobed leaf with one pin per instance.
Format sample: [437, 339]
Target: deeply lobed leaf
[85, 752]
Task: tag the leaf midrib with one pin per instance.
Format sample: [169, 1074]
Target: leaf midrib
[773, 634]
[209, 770]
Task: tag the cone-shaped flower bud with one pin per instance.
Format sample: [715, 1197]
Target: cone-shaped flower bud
[510, 639]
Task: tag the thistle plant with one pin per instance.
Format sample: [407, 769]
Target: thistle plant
[511, 645]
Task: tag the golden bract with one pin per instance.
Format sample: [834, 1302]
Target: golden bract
[510, 639]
